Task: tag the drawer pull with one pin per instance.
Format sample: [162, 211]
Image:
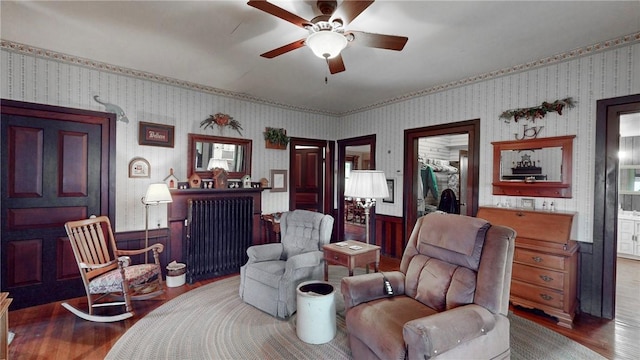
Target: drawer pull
[546, 278]
[335, 257]
[519, 214]
[537, 259]
[546, 297]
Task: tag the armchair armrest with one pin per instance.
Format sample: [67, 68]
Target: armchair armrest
[433, 335]
[264, 252]
[308, 259]
[155, 247]
[367, 287]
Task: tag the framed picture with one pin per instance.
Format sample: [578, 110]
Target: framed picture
[155, 134]
[139, 168]
[278, 180]
[529, 204]
[391, 187]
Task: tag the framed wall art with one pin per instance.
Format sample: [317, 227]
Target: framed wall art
[156, 134]
[391, 187]
[139, 168]
[528, 203]
[278, 180]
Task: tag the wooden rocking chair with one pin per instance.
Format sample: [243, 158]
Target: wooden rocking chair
[106, 272]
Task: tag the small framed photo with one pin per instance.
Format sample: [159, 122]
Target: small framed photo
[278, 180]
[139, 168]
[155, 134]
[527, 203]
[391, 187]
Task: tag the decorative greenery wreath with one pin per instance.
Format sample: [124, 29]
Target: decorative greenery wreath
[221, 120]
[538, 112]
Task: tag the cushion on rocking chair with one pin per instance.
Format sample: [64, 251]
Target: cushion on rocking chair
[112, 281]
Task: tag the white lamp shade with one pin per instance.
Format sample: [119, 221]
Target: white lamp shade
[217, 163]
[367, 184]
[326, 44]
[157, 193]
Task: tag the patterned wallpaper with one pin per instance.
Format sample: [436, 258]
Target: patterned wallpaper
[586, 75]
[66, 83]
[606, 74]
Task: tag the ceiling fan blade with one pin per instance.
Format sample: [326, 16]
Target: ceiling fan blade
[284, 49]
[336, 64]
[390, 42]
[279, 12]
[349, 10]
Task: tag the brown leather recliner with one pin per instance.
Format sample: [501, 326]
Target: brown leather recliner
[450, 298]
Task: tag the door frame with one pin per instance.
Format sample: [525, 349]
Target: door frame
[411, 136]
[66, 287]
[340, 182]
[598, 290]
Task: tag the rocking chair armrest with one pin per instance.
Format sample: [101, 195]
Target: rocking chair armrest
[155, 247]
[97, 266]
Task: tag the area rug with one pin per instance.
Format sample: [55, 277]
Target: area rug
[211, 322]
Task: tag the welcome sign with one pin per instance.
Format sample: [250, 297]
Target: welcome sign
[156, 134]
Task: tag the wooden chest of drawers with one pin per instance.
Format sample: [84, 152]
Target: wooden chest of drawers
[545, 263]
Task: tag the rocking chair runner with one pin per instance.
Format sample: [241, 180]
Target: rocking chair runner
[105, 270]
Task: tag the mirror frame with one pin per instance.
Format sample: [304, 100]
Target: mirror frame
[553, 189]
[193, 138]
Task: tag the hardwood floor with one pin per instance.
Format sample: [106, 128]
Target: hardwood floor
[51, 332]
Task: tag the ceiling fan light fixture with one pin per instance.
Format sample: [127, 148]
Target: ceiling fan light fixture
[326, 44]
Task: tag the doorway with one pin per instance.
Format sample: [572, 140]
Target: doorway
[353, 154]
[598, 298]
[311, 164]
[417, 154]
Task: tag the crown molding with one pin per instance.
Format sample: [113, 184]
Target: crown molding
[558, 58]
[97, 65]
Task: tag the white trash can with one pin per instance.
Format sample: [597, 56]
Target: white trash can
[176, 274]
[316, 313]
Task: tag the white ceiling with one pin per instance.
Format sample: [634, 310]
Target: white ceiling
[217, 43]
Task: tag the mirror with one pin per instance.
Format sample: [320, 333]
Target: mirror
[531, 164]
[534, 167]
[629, 179]
[206, 152]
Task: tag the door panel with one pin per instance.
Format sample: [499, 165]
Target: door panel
[308, 176]
[52, 173]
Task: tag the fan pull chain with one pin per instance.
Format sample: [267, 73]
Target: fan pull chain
[326, 76]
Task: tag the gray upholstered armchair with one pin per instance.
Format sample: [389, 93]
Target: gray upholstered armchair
[451, 295]
[270, 277]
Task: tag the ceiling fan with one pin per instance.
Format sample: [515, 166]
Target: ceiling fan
[327, 35]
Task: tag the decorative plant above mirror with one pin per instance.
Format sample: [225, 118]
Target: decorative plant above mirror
[276, 138]
[537, 112]
[221, 120]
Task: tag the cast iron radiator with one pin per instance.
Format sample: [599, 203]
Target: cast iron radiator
[219, 231]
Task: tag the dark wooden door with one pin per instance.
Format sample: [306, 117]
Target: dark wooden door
[308, 179]
[55, 168]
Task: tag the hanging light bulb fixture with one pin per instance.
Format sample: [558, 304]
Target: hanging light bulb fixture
[326, 39]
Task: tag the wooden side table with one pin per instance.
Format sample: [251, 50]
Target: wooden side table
[271, 228]
[5, 301]
[350, 257]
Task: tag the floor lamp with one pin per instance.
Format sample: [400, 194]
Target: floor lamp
[366, 186]
[157, 193]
